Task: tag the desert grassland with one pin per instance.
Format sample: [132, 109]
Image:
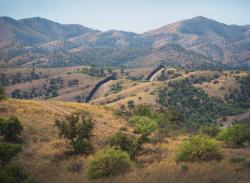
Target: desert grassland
[223, 85]
[139, 88]
[140, 98]
[48, 158]
[44, 155]
[166, 170]
[143, 93]
[66, 93]
[44, 71]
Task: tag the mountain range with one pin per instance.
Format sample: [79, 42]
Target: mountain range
[195, 43]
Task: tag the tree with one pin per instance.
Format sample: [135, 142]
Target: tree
[130, 144]
[211, 130]
[77, 128]
[108, 162]
[14, 173]
[10, 128]
[198, 148]
[2, 94]
[16, 93]
[236, 134]
[7, 151]
[130, 105]
[143, 124]
[143, 110]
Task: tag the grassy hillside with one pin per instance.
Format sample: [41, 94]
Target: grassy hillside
[43, 151]
[47, 158]
[222, 86]
[43, 43]
[65, 84]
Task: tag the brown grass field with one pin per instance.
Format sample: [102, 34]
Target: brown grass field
[47, 158]
[221, 86]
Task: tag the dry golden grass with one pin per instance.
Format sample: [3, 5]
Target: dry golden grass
[167, 170]
[221, 86]
[140, 88]
[66, 93]
[140, 98]
[145, 92]
[48, 158]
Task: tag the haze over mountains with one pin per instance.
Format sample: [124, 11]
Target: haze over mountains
[194, 43]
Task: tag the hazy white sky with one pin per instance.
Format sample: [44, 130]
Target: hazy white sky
[130, 15]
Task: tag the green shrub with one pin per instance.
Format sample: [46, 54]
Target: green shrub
[7, 151]
[164, 120]
[118, 112]
[82, 146]
[130, 144]
[14, 173]
[108, 162]
[143, 124]
[192, 102]
[143, 110]
[10, 128]
[2, 94]
[198, 148]
[236, 134]
[130, 105]
[211, 130]
[78, 129]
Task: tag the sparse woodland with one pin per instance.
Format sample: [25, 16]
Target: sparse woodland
[85, 106]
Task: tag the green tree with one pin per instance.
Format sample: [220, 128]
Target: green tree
[143, 110]
[2, 94]
[211, 130]
[7, 151]
[10, 128]
[236, 134]
[130, 144]
[198, 148]
[130, 105]
[143, 124]
[108, 162]
[77, 128]
[14, 173]
[192, 102]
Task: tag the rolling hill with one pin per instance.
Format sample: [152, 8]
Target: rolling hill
[46, 156]
[194, 43]
[228, 44]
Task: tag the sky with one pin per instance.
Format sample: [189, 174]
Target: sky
[129, 15]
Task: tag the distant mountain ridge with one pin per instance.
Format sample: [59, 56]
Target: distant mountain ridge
[228, 44]
[193, 43]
